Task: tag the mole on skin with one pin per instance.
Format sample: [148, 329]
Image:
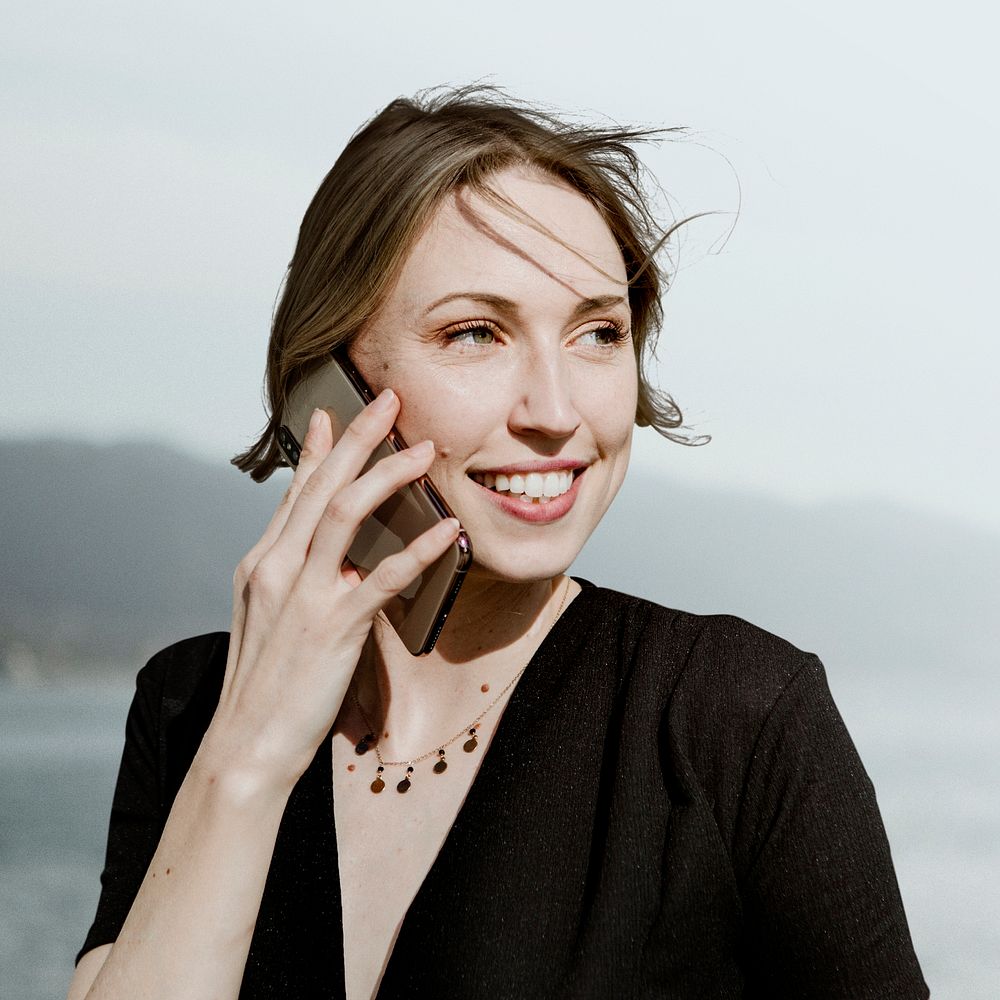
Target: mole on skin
[485, 688]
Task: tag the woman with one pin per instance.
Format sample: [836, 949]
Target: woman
[672, 806]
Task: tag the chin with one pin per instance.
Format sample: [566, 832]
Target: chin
[519, 564]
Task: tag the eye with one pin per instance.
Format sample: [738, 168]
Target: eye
[609, 335]
[476, 334]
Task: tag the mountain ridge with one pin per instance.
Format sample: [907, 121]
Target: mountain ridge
[114, 550]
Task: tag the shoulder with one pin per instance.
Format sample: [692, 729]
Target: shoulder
[737, 684]
[177, 692]
[734, 665]
[716, 686]
[723, 693]
[710, 659]
[184, 673]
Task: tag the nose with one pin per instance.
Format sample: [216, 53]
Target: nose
[544, 397]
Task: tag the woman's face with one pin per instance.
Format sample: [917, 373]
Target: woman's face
[514, 355]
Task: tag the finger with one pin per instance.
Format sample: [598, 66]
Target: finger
[338, 470]
[342, 516]
[349, 573]
[269, 570]
[315, 448]
[349, 455]
[396, 572]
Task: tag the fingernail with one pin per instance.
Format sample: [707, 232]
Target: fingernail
[424, 448]
[314, 420]
[383, 401]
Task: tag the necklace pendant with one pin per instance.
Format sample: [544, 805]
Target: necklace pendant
[442, 765]
[363, 744]
[404, 785]
[471, 743]
[378, 784]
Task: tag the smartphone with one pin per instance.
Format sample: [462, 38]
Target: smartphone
[419, 613]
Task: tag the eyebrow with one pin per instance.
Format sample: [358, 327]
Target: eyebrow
[502, 304]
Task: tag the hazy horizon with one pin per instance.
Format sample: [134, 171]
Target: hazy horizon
[639, 465]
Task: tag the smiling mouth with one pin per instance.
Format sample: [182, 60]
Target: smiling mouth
[530, 487]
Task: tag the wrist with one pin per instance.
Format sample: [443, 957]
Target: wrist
[243, 773]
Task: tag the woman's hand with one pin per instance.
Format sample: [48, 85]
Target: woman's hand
[301, 612]
[300, 617]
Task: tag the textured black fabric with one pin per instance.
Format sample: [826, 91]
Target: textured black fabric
[671, 807]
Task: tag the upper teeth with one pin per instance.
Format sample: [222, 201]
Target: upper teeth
[532, 484]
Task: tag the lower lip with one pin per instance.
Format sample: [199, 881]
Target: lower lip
[536, 513]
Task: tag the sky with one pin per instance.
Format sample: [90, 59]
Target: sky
[831, 325]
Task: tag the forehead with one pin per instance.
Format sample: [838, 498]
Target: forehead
[471, 244]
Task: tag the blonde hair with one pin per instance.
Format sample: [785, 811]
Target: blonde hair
[385, 186]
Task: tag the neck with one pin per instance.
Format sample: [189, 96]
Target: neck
[493, 630]
[490, 616]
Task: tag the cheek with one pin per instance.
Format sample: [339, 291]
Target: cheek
[454, 422]
[431, 404]
[611, 409]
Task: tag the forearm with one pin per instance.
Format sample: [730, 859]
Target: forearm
[188, 932]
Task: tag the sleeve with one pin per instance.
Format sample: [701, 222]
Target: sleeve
[136, 815]
[822, 907]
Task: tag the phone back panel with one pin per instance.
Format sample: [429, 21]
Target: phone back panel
[418, 613]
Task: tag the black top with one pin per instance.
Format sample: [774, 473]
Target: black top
[670, 807]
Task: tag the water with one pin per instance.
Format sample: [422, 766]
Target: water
[932, 749]
[934, 755]
[59, 753]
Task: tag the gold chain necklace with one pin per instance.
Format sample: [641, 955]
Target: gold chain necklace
[367, 741]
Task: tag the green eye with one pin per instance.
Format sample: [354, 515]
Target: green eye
[477, 336]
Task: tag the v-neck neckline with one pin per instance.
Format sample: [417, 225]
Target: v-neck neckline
[526, 701]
